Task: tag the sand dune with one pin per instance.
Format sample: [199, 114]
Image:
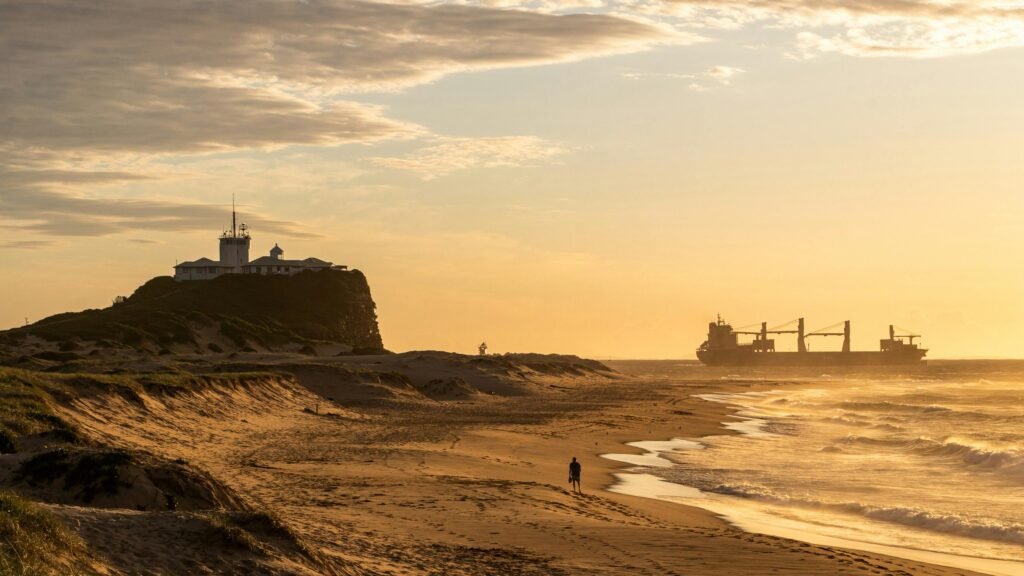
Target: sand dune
[393, 478]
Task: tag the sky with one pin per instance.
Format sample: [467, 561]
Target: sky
[591, 177]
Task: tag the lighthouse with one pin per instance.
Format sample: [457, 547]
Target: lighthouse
[234, 258]
[234, 244]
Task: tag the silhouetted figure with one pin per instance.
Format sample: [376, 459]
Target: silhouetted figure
[574, 475]
[483, 348]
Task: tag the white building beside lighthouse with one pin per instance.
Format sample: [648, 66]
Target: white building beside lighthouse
[234, 259]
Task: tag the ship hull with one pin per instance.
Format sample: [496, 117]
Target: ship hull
[747, 357]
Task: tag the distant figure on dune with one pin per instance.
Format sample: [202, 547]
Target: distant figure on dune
[574, 475]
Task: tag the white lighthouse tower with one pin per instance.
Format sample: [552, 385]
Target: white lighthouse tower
[234, 244]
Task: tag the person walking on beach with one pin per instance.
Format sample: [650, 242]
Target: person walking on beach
[574, 475]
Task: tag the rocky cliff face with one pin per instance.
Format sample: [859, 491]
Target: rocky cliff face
[314, 312]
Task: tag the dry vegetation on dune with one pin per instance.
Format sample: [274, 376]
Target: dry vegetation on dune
[33, 541]
[28, 398]
[393, 464]
[104, 489]
[25, 410]
[135, 461]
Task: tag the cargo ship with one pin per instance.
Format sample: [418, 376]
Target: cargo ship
[723, 348]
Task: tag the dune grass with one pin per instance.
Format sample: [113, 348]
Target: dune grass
[35, 542]
[25, 408]
[258, 531]
[90, 472]
[27, 398]
[32, 540]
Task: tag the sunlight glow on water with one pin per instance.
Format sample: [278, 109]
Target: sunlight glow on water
[931, 461]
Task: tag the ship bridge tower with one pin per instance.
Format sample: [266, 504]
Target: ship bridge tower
[234, 243]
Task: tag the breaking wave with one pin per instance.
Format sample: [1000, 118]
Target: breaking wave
[933, 465]
[887, 406]
[985, 529]
[970, 454]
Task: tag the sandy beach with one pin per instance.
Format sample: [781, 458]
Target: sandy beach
[450, 469]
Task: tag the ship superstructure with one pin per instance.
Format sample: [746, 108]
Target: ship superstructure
[723, 347]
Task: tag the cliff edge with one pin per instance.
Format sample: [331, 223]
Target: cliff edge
[315, 312]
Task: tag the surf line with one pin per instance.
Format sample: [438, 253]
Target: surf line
[634, 482]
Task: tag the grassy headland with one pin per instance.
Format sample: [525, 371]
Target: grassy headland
[229, 313]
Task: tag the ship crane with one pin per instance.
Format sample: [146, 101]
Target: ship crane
[763, 344]
[845, 333]
[910, 336]
[723, 348]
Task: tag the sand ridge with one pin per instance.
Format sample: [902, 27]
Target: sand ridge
[406, 484]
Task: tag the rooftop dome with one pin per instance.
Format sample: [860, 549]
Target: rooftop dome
[276, 251]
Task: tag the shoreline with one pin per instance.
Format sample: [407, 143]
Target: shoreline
[633, 481]
[432, 463]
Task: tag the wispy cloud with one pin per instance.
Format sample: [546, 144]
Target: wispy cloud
[864, 28]
[719, 74]
[446, 155]
[52, 202]
[151, 76]
[25, 244]
[723, 74]
[94, 90]
[55, 214]
[670, 75]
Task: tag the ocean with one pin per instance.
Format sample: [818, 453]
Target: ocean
[924, 463]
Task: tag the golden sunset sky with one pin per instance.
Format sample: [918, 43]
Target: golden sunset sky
[587, 177]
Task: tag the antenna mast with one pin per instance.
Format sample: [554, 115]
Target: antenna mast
[234, 230]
